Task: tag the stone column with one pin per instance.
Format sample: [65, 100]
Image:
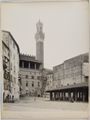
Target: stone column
[63, 96]
[83, 96]
[59, 95]
[54, 95]
[75, 94]
[69, 95]
[66, 96]
[80, 96]
[29, 65]
[35, 66]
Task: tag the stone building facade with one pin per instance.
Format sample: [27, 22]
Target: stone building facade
[45, 72]
[50, 81]
[30, 76]
[70, 79]
[10, 57]
[49, 84]
[6, 66]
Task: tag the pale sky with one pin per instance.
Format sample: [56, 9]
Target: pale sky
[65, 25]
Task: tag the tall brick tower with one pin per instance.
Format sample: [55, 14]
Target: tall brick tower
[39, 36]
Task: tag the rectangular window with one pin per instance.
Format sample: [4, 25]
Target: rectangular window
[38, 84]
[32, 77]
[26, 76]
[38, 77]
[86, 79]
[21, 63]
[32, 65]
[32, 83]
[37, 66]
[26, 84]
[26, 64]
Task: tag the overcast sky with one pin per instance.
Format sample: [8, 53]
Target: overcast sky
[65, 25]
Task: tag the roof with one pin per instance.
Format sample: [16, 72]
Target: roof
[28, 58]
[80, 57]
[69, 87]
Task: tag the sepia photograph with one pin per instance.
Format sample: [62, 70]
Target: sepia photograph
[45, 60]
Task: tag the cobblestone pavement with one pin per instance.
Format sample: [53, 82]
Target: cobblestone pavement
[41, 109]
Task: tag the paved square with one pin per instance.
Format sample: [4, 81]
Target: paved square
[41, 109]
